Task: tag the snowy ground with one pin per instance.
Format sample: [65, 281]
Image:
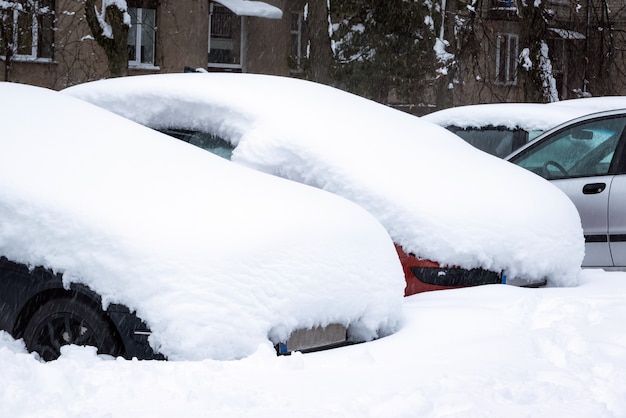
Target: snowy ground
[491, 351]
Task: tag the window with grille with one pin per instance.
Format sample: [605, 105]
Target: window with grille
[28, 30]
[225, 30]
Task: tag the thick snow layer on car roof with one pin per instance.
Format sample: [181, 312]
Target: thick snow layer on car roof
[526, 116]
[593, 104]
[438, 197]
[215, 257]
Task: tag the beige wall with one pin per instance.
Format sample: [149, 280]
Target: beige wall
[182, 40]
[269, 42]
[76, 58]
[182, 34]
[573, 59]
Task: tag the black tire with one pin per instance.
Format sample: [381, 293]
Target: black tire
[65, 321]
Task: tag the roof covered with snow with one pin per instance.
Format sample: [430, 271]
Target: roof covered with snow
[593, 104]
[437, 196]
[526, 116]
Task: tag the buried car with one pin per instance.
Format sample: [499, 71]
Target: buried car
[458, 216]
[501, 128]
[118, 236]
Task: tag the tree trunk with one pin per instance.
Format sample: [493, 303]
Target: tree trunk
[116, 46]
[6, 36]
[321, 52]
[445, 89]
[534, 30]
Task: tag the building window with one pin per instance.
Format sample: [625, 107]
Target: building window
[29, 31]
[506, 58]
[225, 35]
[141, 37]
[503, 4]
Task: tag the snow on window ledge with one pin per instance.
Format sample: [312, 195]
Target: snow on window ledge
[143, 66]
[28, 58]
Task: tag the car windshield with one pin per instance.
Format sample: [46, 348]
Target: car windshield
[582, 150]
[495, 140]
[204, 140]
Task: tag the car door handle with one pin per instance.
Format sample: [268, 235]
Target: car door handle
[594, 188]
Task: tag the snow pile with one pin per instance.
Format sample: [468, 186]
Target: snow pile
[437, 196]
[488, 351]
[213, 256]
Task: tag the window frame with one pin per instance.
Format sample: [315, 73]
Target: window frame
[37, 35]
[139, 27]
[529, 156]
[510, 57]
[242, 36]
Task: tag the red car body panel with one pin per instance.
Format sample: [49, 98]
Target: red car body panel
[413, 284]
[425, 275]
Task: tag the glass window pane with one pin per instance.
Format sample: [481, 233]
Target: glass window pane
[582, 150]
[225, 36]
[147, 35]
[512, 58]
[45, 20]
[24, 34]
[501, 57]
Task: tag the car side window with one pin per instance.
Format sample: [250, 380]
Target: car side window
[495, 140]
[586, 149]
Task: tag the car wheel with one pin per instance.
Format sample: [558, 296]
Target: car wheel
[69, 321]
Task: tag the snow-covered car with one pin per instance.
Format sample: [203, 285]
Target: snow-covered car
[593, 104]
[118, 236]
[458, 216]
[501, 128]
[586, 158]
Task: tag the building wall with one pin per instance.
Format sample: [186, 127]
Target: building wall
[182, 34]
[269, 41]
[76, 56]
[181, 41]
[578, 64]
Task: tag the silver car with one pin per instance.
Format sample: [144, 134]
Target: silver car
[586, 159]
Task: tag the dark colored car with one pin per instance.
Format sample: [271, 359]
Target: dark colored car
[35, 306]
[120, 237]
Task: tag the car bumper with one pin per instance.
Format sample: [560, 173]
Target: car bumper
[425, 275]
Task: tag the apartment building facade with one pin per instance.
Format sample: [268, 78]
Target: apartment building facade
[585, 38]
[55, 47]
